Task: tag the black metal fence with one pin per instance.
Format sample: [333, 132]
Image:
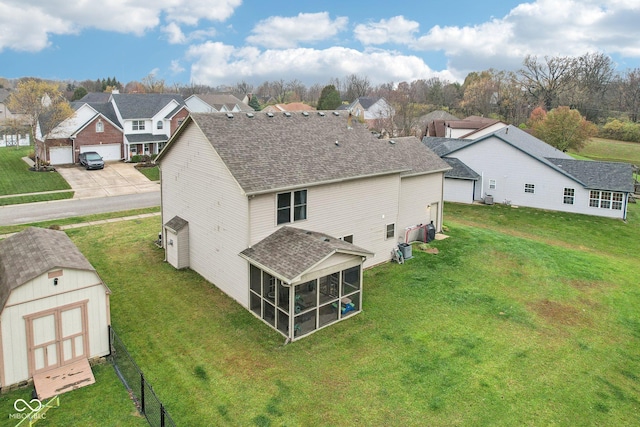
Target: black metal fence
[139, 389]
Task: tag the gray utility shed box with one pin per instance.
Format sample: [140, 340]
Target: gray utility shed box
[488, 199]
[405, 248]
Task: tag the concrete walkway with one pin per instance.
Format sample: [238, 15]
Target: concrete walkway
[97, 222]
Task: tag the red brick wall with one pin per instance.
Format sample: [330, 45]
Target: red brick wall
[178, 118]
[89, 136]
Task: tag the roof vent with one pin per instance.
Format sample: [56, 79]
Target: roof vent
[304, 113]
[336, 113]
[287, 114]
[269, 114]
[321, 113]
[250, 115]
[392, 142]
[230, 115]
[326, 239]
[337, 143]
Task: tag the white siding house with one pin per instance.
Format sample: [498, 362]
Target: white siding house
[510, 166]
[54, 306]
[284, 210]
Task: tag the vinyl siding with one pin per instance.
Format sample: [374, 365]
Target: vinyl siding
[39, 295]
[512, 169]
[361, 207]
[204, 193]
[419, 197]
[458, 190]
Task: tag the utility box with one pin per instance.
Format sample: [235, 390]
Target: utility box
[488, 199]
[405, 248]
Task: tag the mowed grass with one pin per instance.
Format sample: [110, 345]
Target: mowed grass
[16, 178]
[611, 151]
[524, 317]
[152, 173]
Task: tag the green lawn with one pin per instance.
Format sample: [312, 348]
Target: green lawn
[153, 173]
[15, 177]
[612, 151]
[524, 317]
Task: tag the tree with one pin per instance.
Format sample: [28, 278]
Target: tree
[254, 102]
[329, 98]
[153, 85]
[357, 86]
[43, 104]
[546, 81]
[79, 93]
[564, 128]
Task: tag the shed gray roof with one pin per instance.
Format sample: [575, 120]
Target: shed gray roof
[266, 153]
[609, 176]
[290, 252]
[32, 252]
[459, 170]
[143, 105]
[176, 223]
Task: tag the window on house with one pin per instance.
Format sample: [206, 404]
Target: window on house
[391, 231]
[605, 200]
[291, 206]
[492, 184]
[160, 124]
[99, 126]
[529, 188]
[138, 125]
[616, 202]
[569, 196]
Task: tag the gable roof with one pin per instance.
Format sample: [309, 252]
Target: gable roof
[221, 101]
[266, 152]
[32, 252]
[96, 97]
[459, 170]
[289, 252]
[143, 105]
[4, 94]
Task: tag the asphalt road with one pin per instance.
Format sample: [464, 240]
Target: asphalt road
[45, 211]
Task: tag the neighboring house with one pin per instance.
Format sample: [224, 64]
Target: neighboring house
[92, 127]
[292, 106]
[282, 211]
[422, 124]
[5, 112]
[116, 126]
[54, 308]
[148, 120]
[511, 166]
[377, 113]
[215, 102]
[472, 127]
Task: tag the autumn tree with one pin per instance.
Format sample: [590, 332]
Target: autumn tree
[564, 128]
[43, 104]
[329, 98]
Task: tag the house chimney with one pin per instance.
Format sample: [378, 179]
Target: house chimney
[349, 121]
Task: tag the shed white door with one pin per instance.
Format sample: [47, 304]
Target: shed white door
[106, 151]
[60, 155]
[57, 337]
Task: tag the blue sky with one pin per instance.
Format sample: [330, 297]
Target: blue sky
[218, 42]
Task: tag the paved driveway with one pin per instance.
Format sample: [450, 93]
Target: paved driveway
[117, 178]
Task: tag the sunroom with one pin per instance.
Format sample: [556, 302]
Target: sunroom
[302, 281]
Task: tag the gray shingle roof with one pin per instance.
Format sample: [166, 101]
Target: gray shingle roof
[143, 105]
[444, 146]
[218, 100]
[176, 223]
[459, 170]
[32, 252]
[139, 138]
[599, 175]
[290, 252]
[271, 153]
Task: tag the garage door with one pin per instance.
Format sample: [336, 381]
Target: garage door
[107, 151]
[60, 155]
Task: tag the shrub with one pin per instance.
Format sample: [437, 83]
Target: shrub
[136, 158]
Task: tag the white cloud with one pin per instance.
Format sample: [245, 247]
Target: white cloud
[393, 30]
[217, 63]
[49, 17]
[287, 32]
[176, 67]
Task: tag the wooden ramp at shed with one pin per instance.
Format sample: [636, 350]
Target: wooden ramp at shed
[65, 378]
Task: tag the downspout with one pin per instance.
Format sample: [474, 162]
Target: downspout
[163, 230]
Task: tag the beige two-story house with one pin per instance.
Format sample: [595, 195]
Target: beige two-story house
[282, 211]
